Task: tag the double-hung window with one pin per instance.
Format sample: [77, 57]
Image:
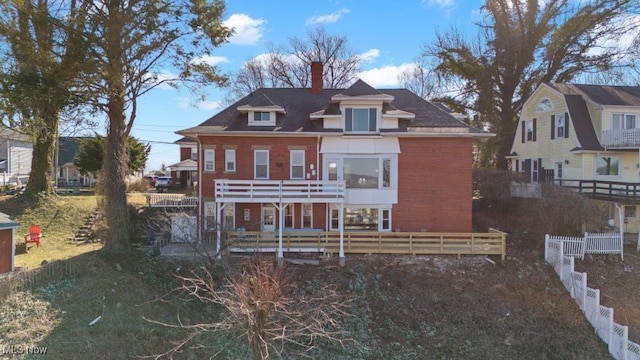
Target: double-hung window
[297, 164]
[230, 160]
[261, 164]
[260, 116]
[560, 126]
[529, 130]
[209, 159]
[361, 120]
[194, 153]
[623, 121]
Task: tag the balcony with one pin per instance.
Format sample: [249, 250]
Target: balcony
[285, 191]
[621, 138]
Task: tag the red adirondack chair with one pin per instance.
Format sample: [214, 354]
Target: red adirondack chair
[35, 233]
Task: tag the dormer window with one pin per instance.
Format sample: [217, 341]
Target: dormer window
[262, 118]
[360, 120]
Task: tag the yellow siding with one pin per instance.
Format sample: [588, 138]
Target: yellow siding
[544, 147]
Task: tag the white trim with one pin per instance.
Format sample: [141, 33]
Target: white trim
[291, 164]
[212, 159]
[230, 158]
[255, 164]
[302, 205]
[270, 208]
[270, 122]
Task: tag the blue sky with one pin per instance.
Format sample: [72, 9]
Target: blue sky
[389, 34]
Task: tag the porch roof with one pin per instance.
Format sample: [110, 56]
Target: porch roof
[184, 165]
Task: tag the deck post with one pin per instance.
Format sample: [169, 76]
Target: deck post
[218, 229]
[280, 225]
[341, 227]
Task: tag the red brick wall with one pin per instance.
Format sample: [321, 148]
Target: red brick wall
[185, 153]
[434, 185]
[6, 251]
[278, 154]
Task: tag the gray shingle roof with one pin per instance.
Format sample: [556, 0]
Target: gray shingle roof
[582, 123]
[603, 94]
[300, 103]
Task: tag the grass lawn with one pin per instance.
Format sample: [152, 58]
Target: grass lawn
[58, 217]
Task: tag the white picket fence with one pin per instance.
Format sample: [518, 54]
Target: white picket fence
[616, 336]
[591, 243]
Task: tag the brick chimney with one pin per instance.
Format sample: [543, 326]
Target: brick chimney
[316, 77]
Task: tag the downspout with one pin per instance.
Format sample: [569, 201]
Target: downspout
[318, 157]
[200, 205]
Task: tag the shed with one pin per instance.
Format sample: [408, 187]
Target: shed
[7, 243]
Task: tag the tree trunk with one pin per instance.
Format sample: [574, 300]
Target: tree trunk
[42, 160]
[115, 159]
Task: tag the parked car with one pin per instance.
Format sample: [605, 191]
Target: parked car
[163, 183]
[151, 179]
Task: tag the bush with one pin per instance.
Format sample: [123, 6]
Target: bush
[494, 187]
[562, 211]
[140, 185]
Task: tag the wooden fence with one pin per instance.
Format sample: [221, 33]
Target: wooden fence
[171, 201]
[415, 243]
[22, 280]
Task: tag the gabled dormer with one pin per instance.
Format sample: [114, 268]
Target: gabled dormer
[261, 112]
[361, 110]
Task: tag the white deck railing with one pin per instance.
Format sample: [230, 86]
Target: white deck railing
[321, 191]
[621, 138]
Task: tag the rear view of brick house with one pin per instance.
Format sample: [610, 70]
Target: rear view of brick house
[354, 159]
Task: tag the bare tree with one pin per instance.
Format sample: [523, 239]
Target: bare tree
[289, 65]
[132, 43]
[263, 304]
[420, 79]
[521, 44]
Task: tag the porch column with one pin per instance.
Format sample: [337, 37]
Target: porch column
[218, 229]
[341, 228]
[280, 225]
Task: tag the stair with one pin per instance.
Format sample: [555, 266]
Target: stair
[85, 234]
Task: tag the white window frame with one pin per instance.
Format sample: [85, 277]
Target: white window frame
[563, 127]
[340, 160]
[209, 159]
[528, 134]
[194, 153]
[291, 215]
[535, 171]
[381, 227]
[595, 167]
[230, 159]
[629, 215]
[302, 210]
[369, 130]
[229, 208]
[622, 123]
[255, 164]
[209, 215]
[262, 122]
[298, 165]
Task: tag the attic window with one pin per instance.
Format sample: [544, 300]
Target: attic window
[262, 118]
[544, 105]
[360, 120]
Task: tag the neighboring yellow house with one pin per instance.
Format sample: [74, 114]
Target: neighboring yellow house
[586, 137]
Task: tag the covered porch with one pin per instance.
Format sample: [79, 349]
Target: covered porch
[277, 195]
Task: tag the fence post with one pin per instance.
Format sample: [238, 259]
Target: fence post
[546, 247]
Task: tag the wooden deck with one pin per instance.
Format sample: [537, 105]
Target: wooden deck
[415, 243]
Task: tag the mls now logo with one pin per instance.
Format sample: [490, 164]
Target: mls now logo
[20, 349]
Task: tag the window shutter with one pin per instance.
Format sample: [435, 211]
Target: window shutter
[347, 119]
[566, 125]
[527, 170]
[534, 129]
[372, 119]
[553, 127]
[517, 165]
[524, 131]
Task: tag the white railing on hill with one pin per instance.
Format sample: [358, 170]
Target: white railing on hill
[591, 243]
[171, 201]
[616, 336]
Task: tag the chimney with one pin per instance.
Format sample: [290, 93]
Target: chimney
[316, 77]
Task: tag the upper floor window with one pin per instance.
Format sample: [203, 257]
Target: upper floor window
[194, 153]
[544, 105]
[209, 159]
[623, 121]
[529, 130]
[230, 160]
[297, 164]
[607, 166]
[262, 118]
[560, 129]
[261, 164]
[360, 120]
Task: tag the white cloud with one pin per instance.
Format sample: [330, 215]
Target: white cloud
[441, 3]
[327, 19]
[369, 56]
[158, 78]
[246, 30]
[210, 60]
[385, 76]
[201, 105]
